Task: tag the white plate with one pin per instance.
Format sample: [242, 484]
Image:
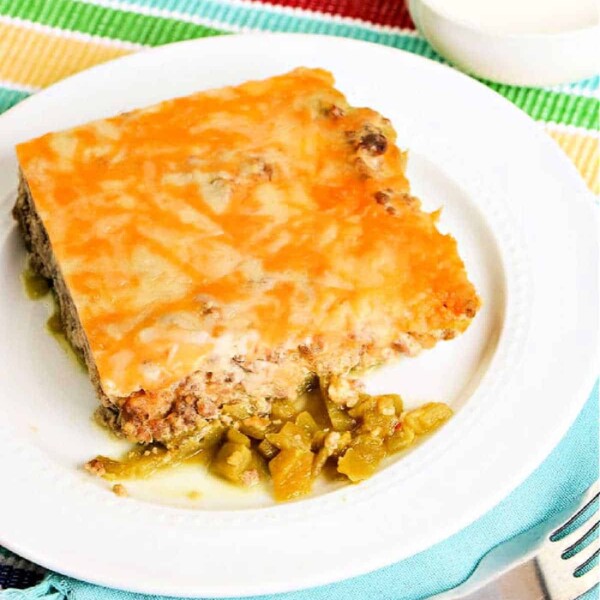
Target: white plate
[517, 378]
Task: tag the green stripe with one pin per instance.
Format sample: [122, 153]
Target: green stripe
[542, 105]
[558, 107]
[10, 97]
[105, 22]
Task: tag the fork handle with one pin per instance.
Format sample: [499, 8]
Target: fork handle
[523, 582]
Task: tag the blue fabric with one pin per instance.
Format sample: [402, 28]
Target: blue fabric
[566, 473]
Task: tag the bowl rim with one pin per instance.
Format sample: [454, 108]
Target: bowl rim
[440, 12]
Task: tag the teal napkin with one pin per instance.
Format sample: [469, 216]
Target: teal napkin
[566, 473]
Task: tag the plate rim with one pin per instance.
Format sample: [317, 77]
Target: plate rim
[528, 467]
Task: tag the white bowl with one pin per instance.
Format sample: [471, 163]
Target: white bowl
[536, 59]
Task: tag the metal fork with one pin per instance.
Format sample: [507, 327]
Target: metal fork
[547, 562]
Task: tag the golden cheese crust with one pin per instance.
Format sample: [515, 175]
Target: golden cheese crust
[238, 224]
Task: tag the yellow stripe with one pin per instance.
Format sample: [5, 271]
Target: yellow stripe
[583, 151]
[38, 59]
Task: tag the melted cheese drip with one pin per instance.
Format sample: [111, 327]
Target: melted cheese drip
[231, 221]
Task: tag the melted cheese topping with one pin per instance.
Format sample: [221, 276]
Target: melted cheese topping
[236, 220]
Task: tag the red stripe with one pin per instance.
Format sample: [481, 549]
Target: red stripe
[381, 12]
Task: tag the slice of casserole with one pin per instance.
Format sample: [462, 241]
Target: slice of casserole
[217, 251]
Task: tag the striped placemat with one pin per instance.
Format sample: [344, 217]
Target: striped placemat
[43, 41]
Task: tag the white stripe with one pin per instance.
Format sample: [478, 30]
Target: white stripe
[18, 87]
[165, 14]
[574, 91]
[73, 35]
[225, 26]
[572, 129]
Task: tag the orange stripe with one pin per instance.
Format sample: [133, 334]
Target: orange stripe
[38, 59]
[583, 151]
